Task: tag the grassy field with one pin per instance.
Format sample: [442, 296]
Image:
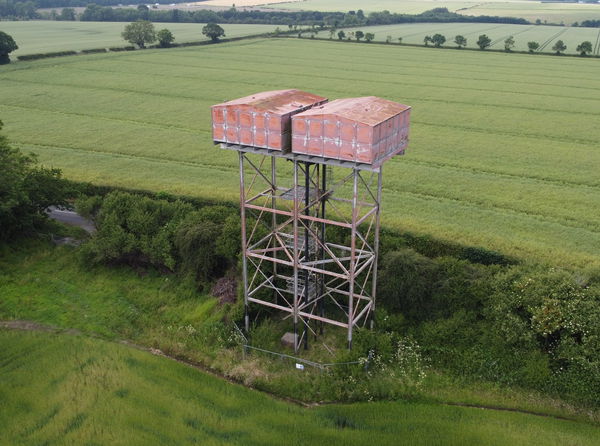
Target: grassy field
[530, 10]
[49, 286]
[43, 36]
[75, 390]
[546, 36]
[503, 150]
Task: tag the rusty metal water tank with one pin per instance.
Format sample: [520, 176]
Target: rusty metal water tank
[262, 119]
[364, 130]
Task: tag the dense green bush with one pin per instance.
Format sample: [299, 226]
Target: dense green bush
[26, 191]
[520, 325]
[135, 230]
[168, 234]
[555, 313]
[94, 50]
[122, 48]
[422, 288]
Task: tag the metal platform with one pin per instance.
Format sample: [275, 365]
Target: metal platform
[300, 157]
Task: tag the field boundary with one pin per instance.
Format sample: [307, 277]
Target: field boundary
[32, 326]
[128, 48]
[416, 45]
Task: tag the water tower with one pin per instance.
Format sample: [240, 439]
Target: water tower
[310, 192]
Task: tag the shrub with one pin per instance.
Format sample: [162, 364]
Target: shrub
[121, 48]
[406, 283]
[46, 55]
[549, 312]
[165, 233]
[94, 50]
[135, 230]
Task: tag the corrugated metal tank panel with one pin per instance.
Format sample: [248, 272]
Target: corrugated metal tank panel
[262, 119]
[366, 130]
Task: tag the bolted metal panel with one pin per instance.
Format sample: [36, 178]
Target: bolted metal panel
[262, 119]
[364, 130]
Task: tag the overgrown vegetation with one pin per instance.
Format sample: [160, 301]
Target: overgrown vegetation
[26, 191]
[168, 235]
[519, 325]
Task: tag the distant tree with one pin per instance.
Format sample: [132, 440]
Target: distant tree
[438, 40]
[143, 11]
[460, 41]
[483, 42]
[388, 39]
[426, 40]
[533, 46]
[538, 22]
[67, 14]
[584, 47]
[369, 36]
[341, 34]
[559, 47]
[165, 38]
[360, 14]
[140, 33]
[7, 46]
[332, 31]
[509, 44]
[213, 31]
[399, 39]
[359, 35]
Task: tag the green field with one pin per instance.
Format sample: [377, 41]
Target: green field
[530, 10]
[44, 36]
[503, 153]
[74, 390]
[546, 36]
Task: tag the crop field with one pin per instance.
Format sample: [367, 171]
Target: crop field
[503, 154]
[44, 36]
[567, 13]
[546, 36]
[530, 10]
[75, 390]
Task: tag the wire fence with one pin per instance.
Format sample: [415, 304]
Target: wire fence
[299, 362]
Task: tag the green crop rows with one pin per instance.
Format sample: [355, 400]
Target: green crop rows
[44, 36]
[530, 10]
[503, 153]
[546, 36]
[74, 390]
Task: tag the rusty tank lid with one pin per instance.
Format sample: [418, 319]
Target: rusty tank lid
[277, 101]
[368, 110]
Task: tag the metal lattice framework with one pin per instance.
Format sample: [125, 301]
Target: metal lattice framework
[310, 240]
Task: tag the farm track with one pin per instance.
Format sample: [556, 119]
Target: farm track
[547, 42]
[22, 325]
[597, 45]
[495, 42]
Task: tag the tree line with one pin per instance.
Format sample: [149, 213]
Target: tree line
[100, 11]
[483, 42]
[438, 40]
